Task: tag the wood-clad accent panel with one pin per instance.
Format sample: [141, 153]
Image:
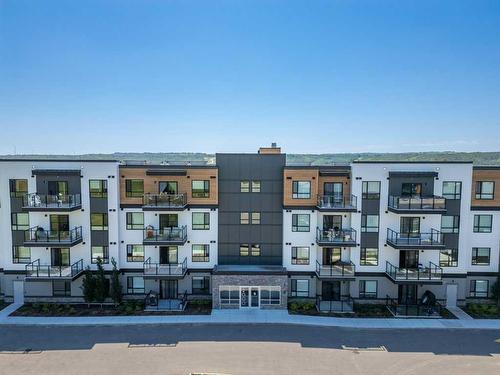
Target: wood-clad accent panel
[291, 175]
[184, 184]
[486, 175]
[346, 183]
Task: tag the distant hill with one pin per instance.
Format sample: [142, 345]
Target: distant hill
[479, 158]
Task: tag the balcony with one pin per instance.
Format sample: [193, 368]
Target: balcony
[344, 304]
[332, 237]
[400, 310]
[39, 202]
[166, 236]
[177, 270]
[432, 240]
[337, 270]
[431, 274]
[166, 202]
[337, 203]
[39, 237]
[415, 205]
[36, 271]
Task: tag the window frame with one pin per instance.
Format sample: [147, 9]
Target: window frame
[16, 259]
[364, 227]
[205, 289]
[13, 187]
[14, 221]
[102, 192]
[200, 193]
[295, 260]
[243, 252]
[479, 195]
[255, 250]
[200, 258]
[244, 186]
[63, 292]
[129, 188]
[253, 219]
[294, 290]
[362, 289]
[455, 228]
[131, 258]
[130, 224]
[244, 218]
[206, 223]
[105, 256]
[473, 292]
[475, 256]
[365, 191]
[363, 260]
[478, 228]
[254, 184]
[295, 223]
[451, 260]
[296, 194]
[454, 195]
[132, 289]
[102, 227]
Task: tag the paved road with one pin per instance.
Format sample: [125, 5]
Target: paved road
[244, 349]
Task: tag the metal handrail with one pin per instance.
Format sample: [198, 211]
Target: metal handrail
[165, 234]
[433, 272]
[336, 269]
[403, 309]
[417, 203]
[337, 202]
[39, 234]
[164, 200]
[35, 269]
[170, 269]
[434, 237]
[35, 200]
[346, 304]
[336, 236]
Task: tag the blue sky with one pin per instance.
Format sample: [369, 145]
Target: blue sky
[229, 75]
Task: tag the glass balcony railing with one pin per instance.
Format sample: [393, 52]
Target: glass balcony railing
[337, 269]
[60, 201]
[39, 236]
[433, 238]
[165, 235]
[159, 269]
[336, 236]
[416, 203]
[37, 270]
[333, 202]
[431, 273]
[164, 200]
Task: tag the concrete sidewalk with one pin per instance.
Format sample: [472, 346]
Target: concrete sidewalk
[251, 317]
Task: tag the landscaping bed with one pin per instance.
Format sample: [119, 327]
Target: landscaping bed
[3, 304]
[482, 311]
[128, 308]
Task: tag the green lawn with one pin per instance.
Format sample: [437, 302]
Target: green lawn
[482, 311]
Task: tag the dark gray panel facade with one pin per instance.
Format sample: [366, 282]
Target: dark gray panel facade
[395, 184]
[268, 169]
[74, 183]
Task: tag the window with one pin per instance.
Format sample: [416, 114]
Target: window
[20, 221]
[368, 289]
[167, 187]
[201, 220]
[255, 218]
[61, 288]
[244, 218]
[448, 258]
[245, 186]
[371, 190]
[135, 220]
[229, 295]
[200, 253]
[368, 256]
[300, 288]
[21, 254]
[480, 256]
[134, 188]
[98, 221]
[135, 285]
[452, 189]
[479, 288]
[450, 224]
[300, 223]
[255, 186]
[270, 295]
[255, 250]
[135, 253]
[411, 189]
[482, 223]
[300, 255]
[98, 188]
[201, 285]
[485, 189]
[244, 250]
[99, 252]
[301, 189]
[369, 223]
[18, 188]
[200, 189]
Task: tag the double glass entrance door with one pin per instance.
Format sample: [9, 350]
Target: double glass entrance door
[249, 296]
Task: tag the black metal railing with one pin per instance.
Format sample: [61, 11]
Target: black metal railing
[159, 269]
[39, 235]
[174, 234]
[413, 310]
[336, 236]
[417, 203]
[337, 269]
[433, 238]
[35, 269]
[342, 304]
[34, 200]
[152, 301]
[432, 273]
[164, 200]
[337, 202]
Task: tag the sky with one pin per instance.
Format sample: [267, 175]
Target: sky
[232, 75]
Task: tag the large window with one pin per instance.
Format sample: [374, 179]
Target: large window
[98, 221]
[301, 189]
[201, 284]
[479, 288]
[452, 189]
[368, 256]
[450, 224]
[135, 285]
[18, 188]
[300, 288]
[21, 254]
[200, 188]
[201, 220]
[448, 258]
[244, 218]
[61, 288]
[369, 223]
[300, 223]
[99, 252]
[200, 253]
[135, 253]
[300, 255]
[134, 188]
[135, 220]
[368, 289]
[485, 190]
[481, 256]
[482, 223]
[167, 187]
[371, 190]
[98, 188]
[20, 221]
[229, 295]
[270, 295]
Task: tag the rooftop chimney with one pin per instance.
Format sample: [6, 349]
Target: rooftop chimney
[274, 149]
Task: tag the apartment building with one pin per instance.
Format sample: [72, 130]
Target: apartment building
[251, 231]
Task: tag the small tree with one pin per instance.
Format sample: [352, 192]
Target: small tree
[116, 286]
[495, 290]
[101, 284]
[88, 286]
